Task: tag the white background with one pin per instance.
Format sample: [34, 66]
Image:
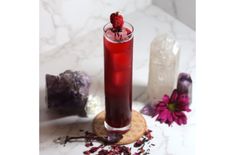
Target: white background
[19, 82]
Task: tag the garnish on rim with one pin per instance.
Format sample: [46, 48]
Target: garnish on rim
[117, 21]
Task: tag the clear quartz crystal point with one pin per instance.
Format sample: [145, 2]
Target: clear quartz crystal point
[163, 67]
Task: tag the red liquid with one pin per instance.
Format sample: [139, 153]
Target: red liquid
[118, 81]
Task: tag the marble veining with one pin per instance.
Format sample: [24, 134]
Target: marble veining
[63, 20]
[183, 10]
[85, 52]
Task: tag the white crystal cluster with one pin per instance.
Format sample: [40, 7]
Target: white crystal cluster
[93, 105]
[163, 67]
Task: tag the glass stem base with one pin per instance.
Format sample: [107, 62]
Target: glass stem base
[120, 130]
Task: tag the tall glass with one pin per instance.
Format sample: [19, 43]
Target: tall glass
[118, 55]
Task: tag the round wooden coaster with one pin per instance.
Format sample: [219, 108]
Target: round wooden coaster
[138, 127]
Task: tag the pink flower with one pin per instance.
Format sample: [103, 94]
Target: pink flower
[171, 109]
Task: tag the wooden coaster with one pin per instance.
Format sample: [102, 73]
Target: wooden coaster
[138, 127]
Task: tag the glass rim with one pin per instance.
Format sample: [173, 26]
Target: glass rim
[115, 41]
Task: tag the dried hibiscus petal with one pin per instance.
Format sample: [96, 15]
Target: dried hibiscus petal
[138, 143]
[103, 152]
[94, 149]
[88, 144]
[87, 152]
[148, 134]
[108, 148]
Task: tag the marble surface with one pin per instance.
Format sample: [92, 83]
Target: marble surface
[62, 21]
[184, 10]
[85, 53]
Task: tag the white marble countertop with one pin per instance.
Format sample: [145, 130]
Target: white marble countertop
[86, 53]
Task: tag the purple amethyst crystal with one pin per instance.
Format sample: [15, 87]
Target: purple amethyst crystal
[184, 85]
[68, 92]
[148, 109]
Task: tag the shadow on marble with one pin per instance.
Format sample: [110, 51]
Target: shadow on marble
[47, 114]
[64, 127]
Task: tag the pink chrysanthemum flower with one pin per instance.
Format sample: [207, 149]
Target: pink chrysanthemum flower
[171, 109]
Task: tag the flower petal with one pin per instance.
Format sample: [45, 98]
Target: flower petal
[181, 118]
[165, 99]
[185, 120]
[170, 118]
[174, 116]
[174, 96]
[161, 104]
[181, 107]
[165, 113]
[160, 107]
[183, 98]
[183, 103]
[163, 116]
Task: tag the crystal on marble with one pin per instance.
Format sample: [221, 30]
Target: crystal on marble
[184, 85]
[163, 66]
[93, 105]
[148, 109]
[68, 92]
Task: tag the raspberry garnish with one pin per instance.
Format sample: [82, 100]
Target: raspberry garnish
[117, 21]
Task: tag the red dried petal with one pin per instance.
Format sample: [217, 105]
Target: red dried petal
[138, 143]
[88, 144]
[94, 149]
[87, 152]
[103, 152]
